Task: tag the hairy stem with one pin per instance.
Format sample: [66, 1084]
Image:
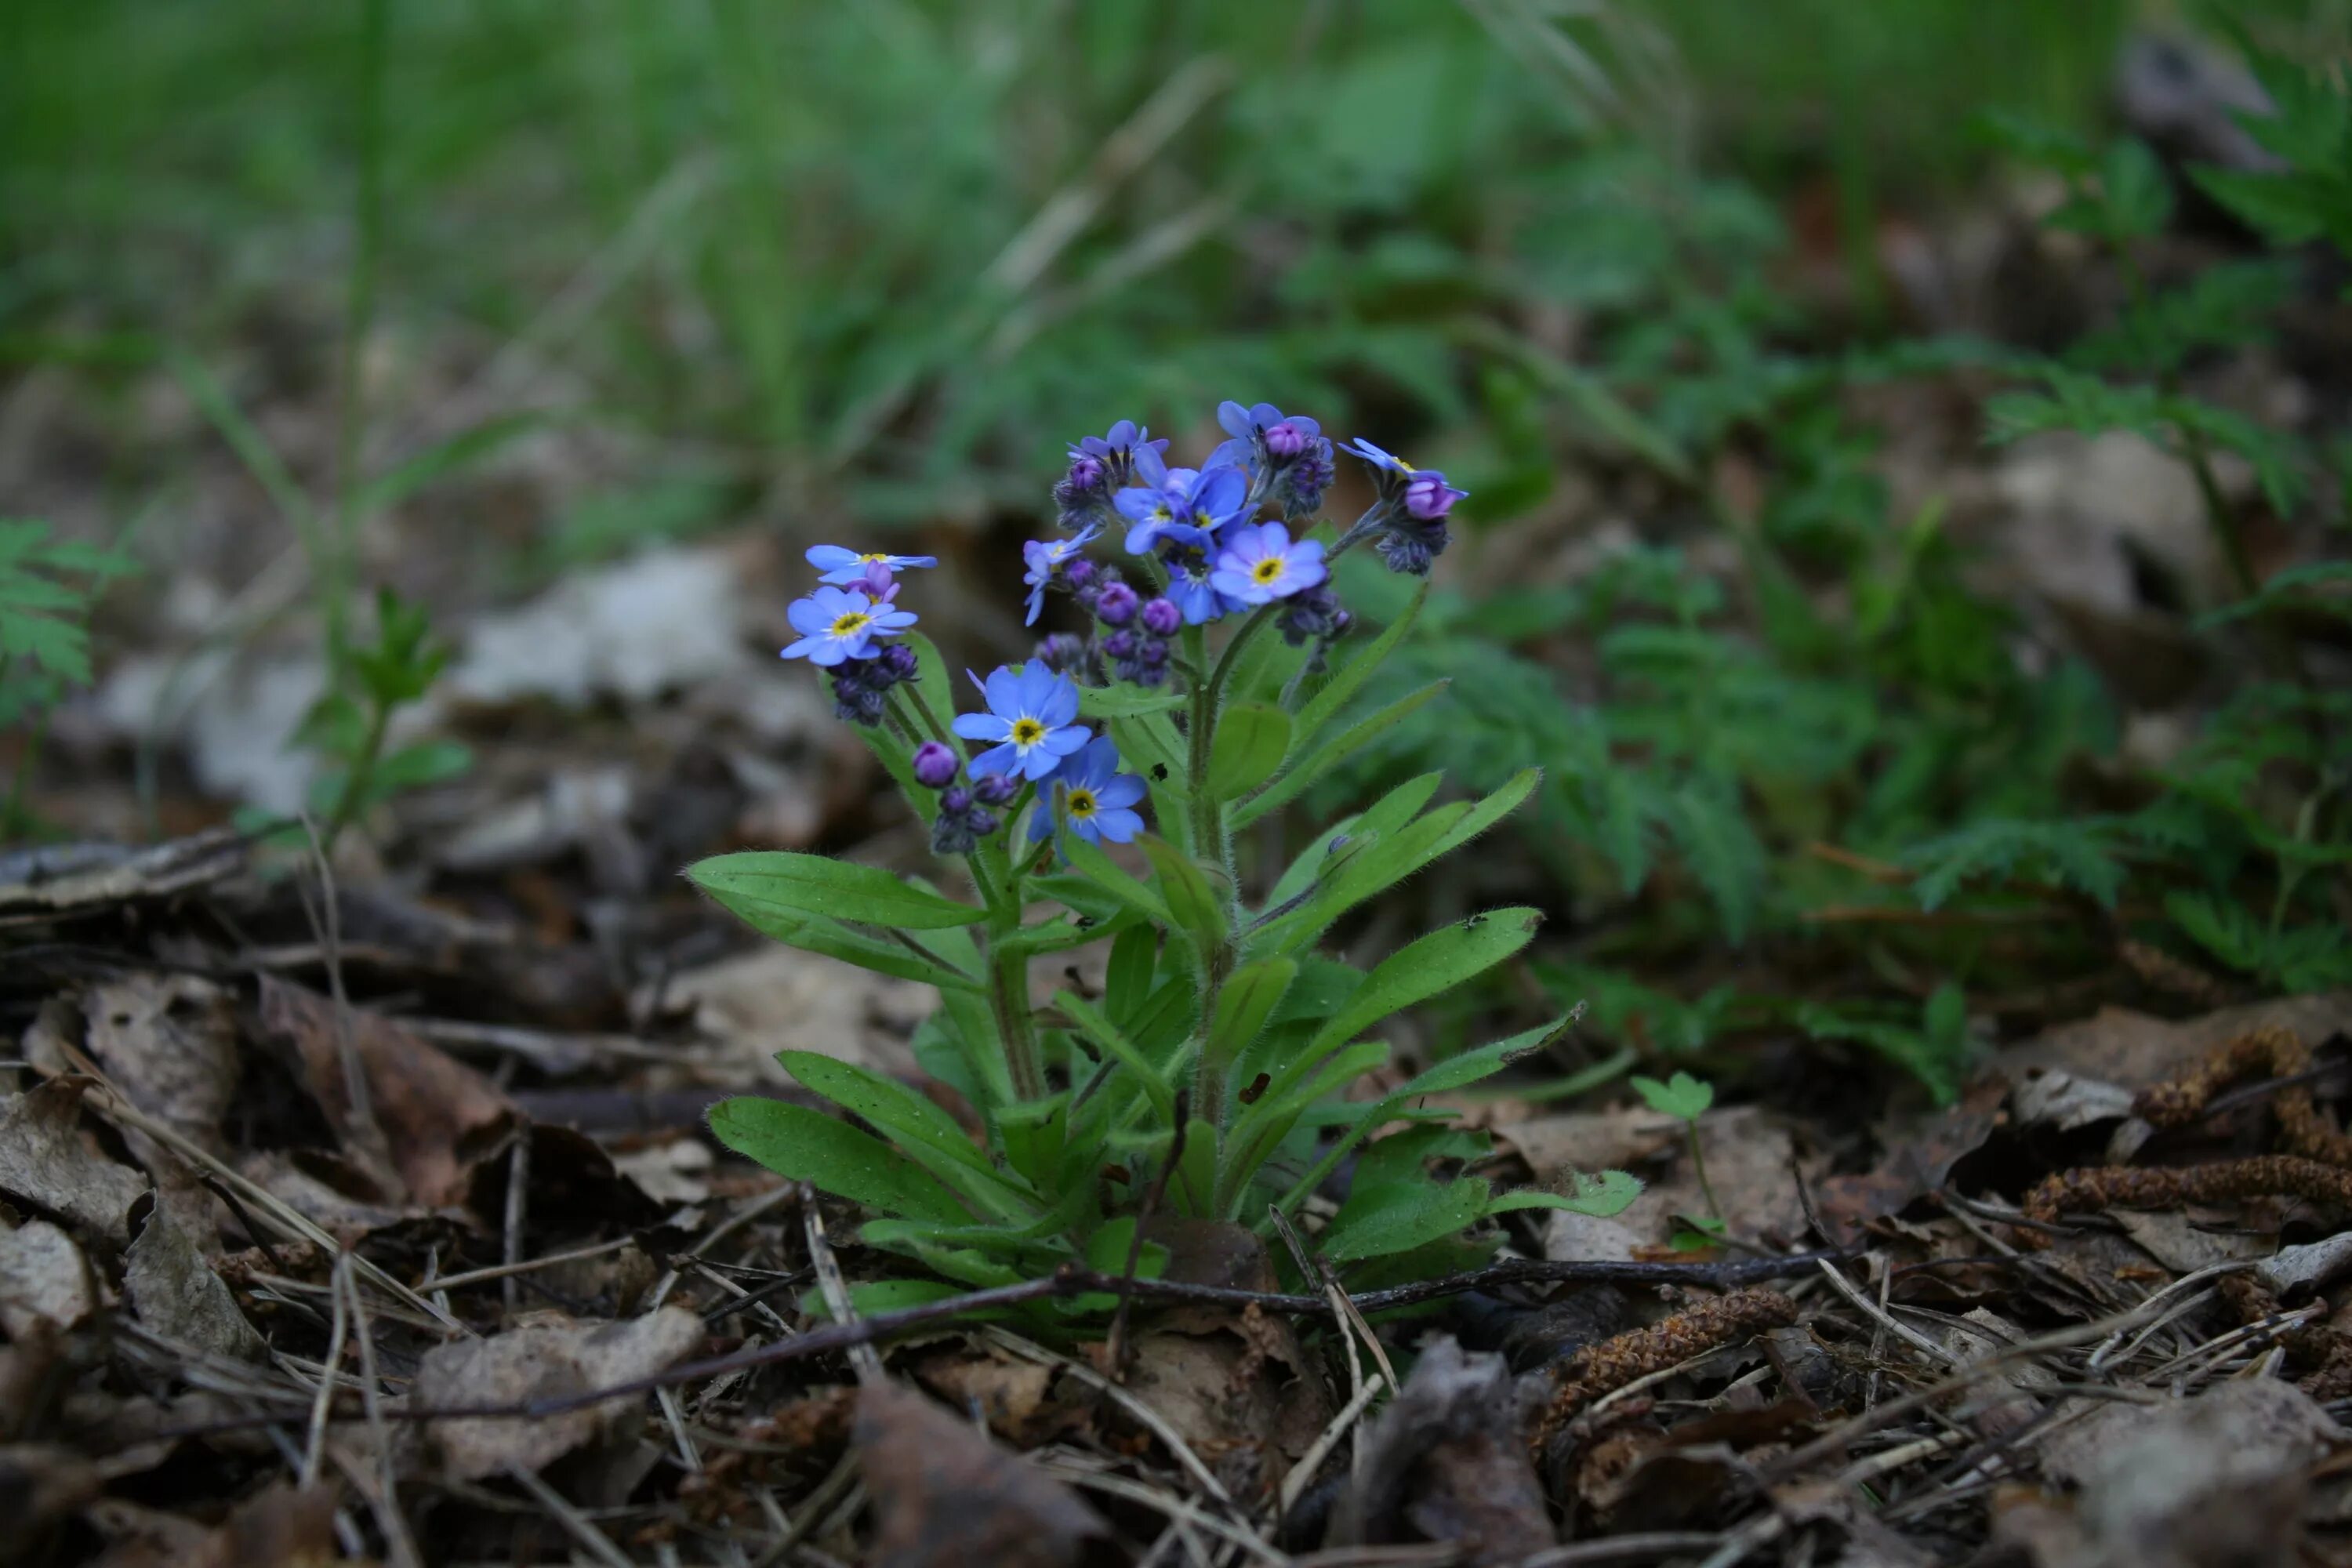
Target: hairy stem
[1008, 999]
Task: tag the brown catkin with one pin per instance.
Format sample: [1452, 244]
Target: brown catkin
[1612, 1365]
[2094, 1187]
[2159, 971]
[2273, 1049]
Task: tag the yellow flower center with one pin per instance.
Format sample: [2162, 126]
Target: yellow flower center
[884, 555]
[1027, 732]
[1268, 570]
[851, 624]
[1082, 803]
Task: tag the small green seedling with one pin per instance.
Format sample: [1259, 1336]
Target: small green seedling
[1686, 1099]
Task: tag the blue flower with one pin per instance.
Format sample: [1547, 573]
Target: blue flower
[837, 624]
[1184, 506]
[1284, 436]
[846, 566]
[1029, 716]
[1260, 564]
[1376, 458]
[1121, 448]
[1044, 557]
[1100, 799]
[1191, 588]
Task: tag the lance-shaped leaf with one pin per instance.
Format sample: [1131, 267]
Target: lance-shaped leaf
[817, 885]
[804, 1145]
[1191, 898]
[1251, 739]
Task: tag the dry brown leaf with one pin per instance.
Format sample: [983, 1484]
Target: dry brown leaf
[2186, 1242]
[46, 1161]
[28, 1365]
[2222, 1477]
[543, 1361]
[2118, 1046]
[176, 1294]
[281, 1526]
[1749, 1156]
[434, 1117]
[1446, 1462]
[1012, 1394]
[169, 1043]
[778, 998]
[944, 1497]
[1920, 1157]
[43, 1276]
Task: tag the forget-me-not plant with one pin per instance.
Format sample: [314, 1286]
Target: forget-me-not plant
[1096, 797]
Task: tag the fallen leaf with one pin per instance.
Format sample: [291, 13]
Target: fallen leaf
[2219, 1478]
[2185, 1243]
[1012, 1394]
[2118, 1046]
[39, 1484]
[169, 1043]
[543, 1361]
[779, 999]
[1919, 1157]
[945, 1498]
[43, 1277]
[28, 1381]
[2064, 1102]
[1750, 1161]
[281, 1526]
[433, 1118]
[1447, 1461]
[46, 1162]
[65, 878]
[176, 1293]
[671, 1172]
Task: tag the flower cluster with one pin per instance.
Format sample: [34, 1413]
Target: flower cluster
[842, 628]
[1233, 536]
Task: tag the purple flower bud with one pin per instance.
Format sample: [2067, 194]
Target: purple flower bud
[955, 802]
[1115, 604]
[981, 823]
[1427, 496]
[1087, 472]
[1063, 652]
[898, 660]
[1079, 574]
[1119, 644]
[877, 581]
[935, 766]
[996, 789]
[1153, 651]
[1285, 440]
[1161, 617]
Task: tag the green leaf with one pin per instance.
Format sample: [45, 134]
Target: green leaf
[1089, 860]
[1603, 1195]
[1191, 897]
[1398, 1216]
[836, 889]
[1125, 702]
[920, 1129]
[815, 933]
[1250, 741]
[2223, 926]
[1425, 967]
[1250, 995]
[2138, 197]
[1286, 786]
[1682, 1095]
[1115, 1044]
[1107, 1248]
[421, 763]
[1127, 981]
[804, 1145]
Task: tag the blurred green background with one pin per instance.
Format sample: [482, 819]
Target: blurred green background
[901, 251]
